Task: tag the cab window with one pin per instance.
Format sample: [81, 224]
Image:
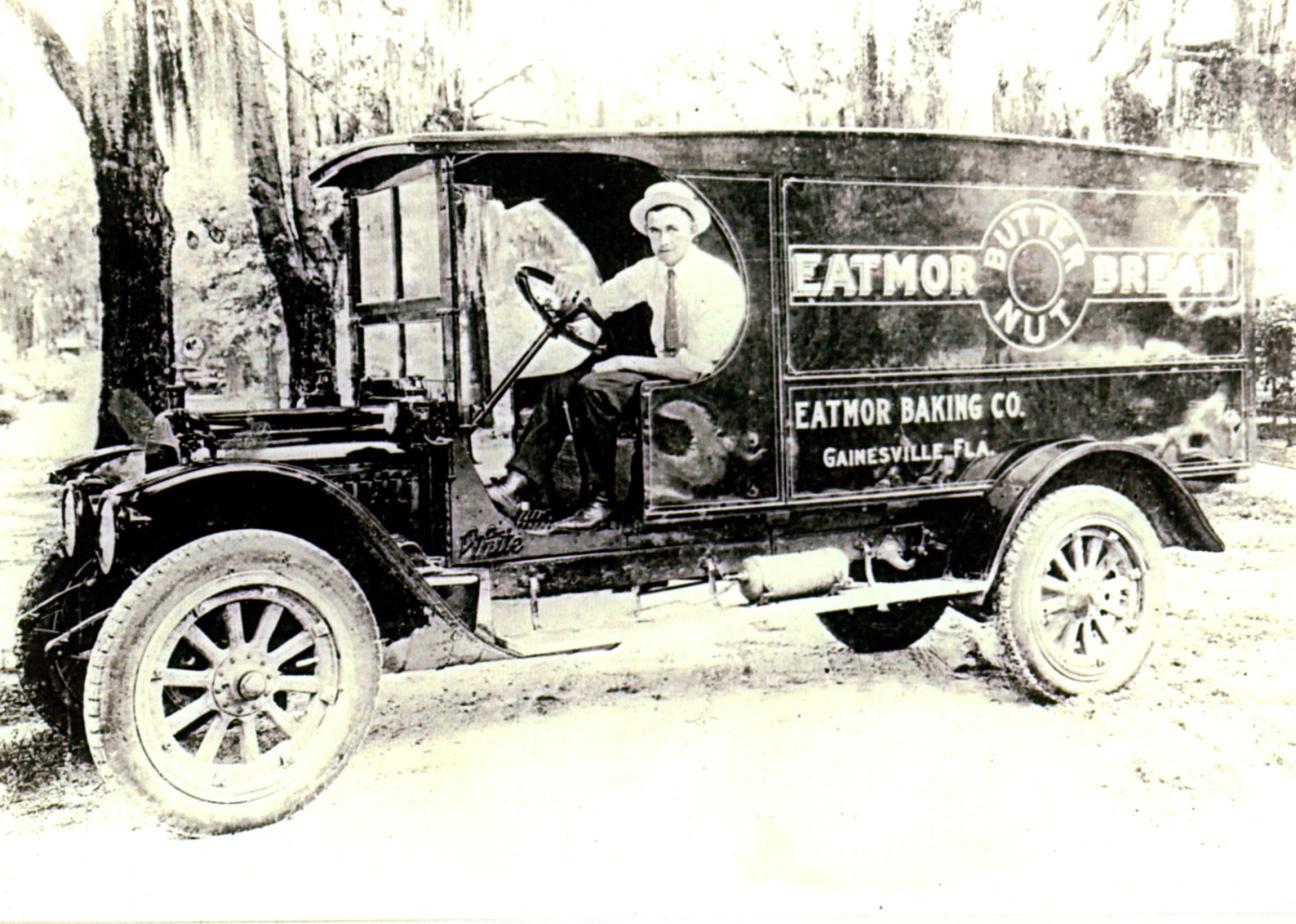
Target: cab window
[400, 244]
[419, 355]
[399, 281]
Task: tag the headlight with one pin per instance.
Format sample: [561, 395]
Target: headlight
[107, 532]
[71, 509]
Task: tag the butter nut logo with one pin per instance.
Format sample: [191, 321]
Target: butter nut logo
[1035, 278]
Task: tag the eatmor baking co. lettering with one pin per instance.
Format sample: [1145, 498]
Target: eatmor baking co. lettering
[847, 412]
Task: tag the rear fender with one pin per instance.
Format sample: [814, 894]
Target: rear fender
[1127, 469]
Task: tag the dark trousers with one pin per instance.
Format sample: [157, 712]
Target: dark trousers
[597, 402]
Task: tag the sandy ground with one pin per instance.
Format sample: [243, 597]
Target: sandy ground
[43, 432]
[719, 763]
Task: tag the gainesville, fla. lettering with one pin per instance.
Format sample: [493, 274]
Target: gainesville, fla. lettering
[856, 456]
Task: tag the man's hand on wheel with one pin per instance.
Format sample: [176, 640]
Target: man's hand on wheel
[569, 291]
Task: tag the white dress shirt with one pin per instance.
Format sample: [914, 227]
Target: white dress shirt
[709, 301]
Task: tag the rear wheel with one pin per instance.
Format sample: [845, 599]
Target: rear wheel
[871, 630]
[1080, 593]
[232, 681]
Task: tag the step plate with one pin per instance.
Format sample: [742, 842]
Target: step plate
[561, 641]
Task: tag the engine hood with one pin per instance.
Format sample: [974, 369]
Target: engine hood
[115, 464]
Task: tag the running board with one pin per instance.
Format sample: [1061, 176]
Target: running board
[561, 641]
[531, 644]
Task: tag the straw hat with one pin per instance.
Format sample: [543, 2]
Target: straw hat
[669, 192]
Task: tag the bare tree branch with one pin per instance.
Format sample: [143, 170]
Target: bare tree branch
[785, 55]
[242, 17]
[522, 73]
[1141, 60]
[58, 60]
[791, 88]
[1113, 10]
[513, 119]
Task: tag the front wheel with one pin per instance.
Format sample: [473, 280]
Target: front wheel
[1080, 593]
[53, 683]
[232, 681]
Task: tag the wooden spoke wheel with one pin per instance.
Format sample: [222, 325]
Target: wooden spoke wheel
[1080, 594]
[52, 681]
[232, 680]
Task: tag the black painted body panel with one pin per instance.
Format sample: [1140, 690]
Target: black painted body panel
[927, 314]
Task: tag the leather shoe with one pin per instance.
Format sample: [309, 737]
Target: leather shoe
[597, 513]
[506, 501]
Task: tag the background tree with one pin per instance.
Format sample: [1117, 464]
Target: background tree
[295, 235]
[60, 291]
[111, 93]
[283, 85]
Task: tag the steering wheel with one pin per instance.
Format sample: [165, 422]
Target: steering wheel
[556, 320]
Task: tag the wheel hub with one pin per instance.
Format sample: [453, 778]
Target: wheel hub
[1088, 582]
[252, 684]
[1086, 591]
[241, 681]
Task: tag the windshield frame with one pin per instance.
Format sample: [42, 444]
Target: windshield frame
[399, 310]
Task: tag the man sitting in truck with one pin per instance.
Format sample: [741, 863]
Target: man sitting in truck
[698, 305]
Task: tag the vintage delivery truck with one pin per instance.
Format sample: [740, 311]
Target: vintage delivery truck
[967, 373]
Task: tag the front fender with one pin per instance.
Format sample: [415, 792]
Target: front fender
[182, 503]
[1128, 469]
[173, 506]
[116, 463]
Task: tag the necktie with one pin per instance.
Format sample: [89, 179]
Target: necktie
[670, 329]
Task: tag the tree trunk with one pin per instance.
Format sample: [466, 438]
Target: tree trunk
[113, 99]
[312, 338]
[135, 236]
[303, 279]
[135, 230]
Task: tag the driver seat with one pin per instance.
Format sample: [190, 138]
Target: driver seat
[626, 333]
